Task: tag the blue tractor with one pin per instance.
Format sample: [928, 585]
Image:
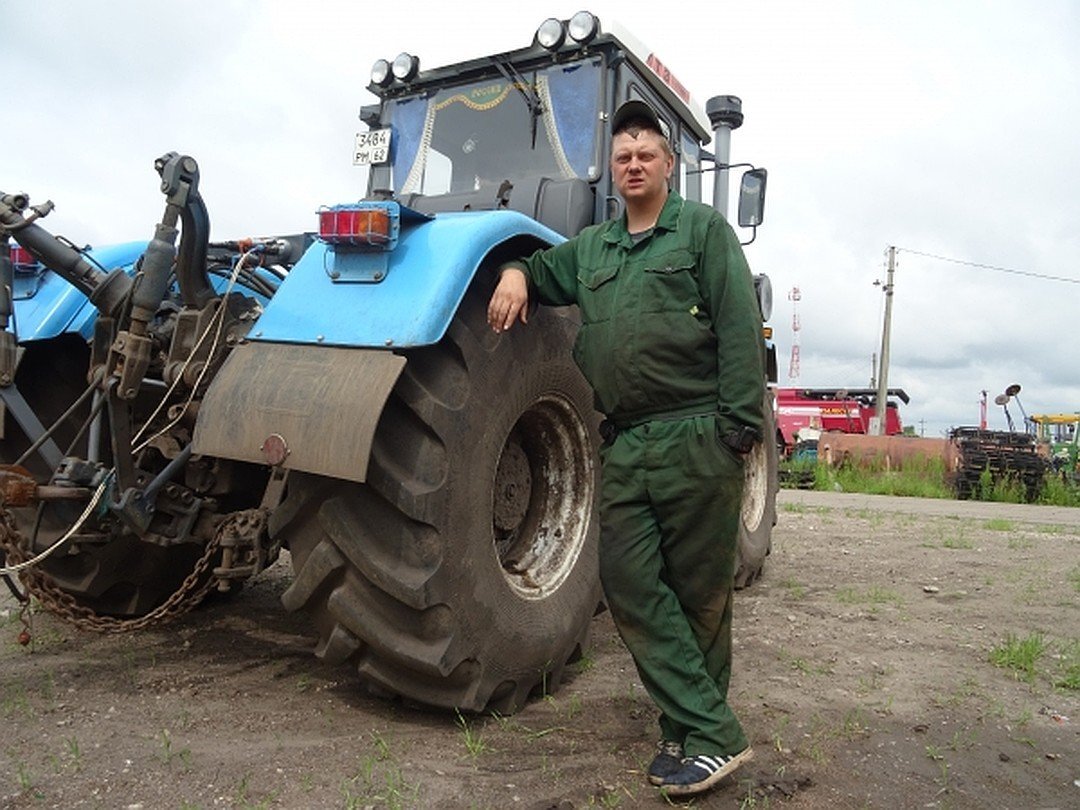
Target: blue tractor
[178, 411]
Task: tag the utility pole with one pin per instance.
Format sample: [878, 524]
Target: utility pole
[878, 423]
[795, 297]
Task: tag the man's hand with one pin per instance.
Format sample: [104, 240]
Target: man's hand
[510, 301]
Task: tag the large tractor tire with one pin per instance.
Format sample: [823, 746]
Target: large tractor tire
[463, 573]
[759, 502]
[122, 578]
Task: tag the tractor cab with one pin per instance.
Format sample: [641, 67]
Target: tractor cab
[529, 130]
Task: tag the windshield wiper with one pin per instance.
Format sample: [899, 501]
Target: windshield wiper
[528, 92]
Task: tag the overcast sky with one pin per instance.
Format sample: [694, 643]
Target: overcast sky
[948, 129]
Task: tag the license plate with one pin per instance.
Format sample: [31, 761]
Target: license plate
[372, 147]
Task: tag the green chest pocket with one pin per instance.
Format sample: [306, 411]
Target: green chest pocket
[669, 284]
[596, 292]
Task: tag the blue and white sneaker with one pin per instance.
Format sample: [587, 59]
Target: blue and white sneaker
[668, 760]
[701, 772]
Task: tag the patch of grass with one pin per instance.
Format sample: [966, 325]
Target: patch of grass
[1019, 543]
[1020, 655]
[794, 589]
[920, 478]
[957, 541]
[1056, 491]
[1074, 577]
[1052, 528]
[1068, 676]
[15, 701]
[999, 525]
[804, 509]
[874, 596]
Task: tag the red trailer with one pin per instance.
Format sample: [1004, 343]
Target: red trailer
[846, 410]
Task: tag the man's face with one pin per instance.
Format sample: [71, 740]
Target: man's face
[640, 165]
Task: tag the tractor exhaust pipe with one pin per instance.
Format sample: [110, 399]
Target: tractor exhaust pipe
[725, 115]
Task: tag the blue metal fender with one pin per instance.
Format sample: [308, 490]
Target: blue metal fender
[426, 278]
[47, 306]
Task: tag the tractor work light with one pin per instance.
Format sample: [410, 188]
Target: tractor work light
[405, 67]
[380, 73]
[355, 225]
[551, 34]
[583, 27]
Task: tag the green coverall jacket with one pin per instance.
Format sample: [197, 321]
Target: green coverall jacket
[670, 325]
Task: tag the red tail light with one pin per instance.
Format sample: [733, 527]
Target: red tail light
[355, 225]
[22, 260]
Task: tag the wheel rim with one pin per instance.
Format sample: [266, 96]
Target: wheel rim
[755, 487]
[542, 497]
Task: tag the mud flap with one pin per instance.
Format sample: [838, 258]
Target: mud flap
[310, 408]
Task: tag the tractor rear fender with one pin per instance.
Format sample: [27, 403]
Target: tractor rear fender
[308, 388]
[416, 293]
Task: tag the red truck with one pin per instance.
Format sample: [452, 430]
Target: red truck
[846, 410]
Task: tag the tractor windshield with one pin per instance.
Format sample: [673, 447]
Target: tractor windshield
[462, 139]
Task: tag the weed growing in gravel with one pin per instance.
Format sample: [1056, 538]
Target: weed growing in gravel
[853, 725]
[168, 754]
[25, 780]
[586, 662]
[475, 744]
[999, 525]
[74, 753]
[1020, 655]
[1019, 543]
[805, 666]
[243, 800]
[379, 781]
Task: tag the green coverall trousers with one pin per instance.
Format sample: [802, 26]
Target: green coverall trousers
[669, 516]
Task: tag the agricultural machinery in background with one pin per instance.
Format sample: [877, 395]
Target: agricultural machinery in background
[178, 411]
[1059, 433]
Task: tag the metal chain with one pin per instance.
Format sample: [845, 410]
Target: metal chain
[190, 593]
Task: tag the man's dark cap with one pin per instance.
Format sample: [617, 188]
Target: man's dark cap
[632, 110]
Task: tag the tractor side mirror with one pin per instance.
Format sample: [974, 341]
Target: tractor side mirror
[752, 198]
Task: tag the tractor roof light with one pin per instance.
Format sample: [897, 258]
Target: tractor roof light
[551, 34]
[380, 73]
[583, 27]
[405, 67]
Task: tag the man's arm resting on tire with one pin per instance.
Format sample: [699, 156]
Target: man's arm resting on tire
[510, 301]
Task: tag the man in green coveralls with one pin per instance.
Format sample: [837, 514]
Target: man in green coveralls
[671, 343]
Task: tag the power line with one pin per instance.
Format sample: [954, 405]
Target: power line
[991, 267]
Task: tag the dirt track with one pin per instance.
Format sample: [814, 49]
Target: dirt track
[863, 677]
